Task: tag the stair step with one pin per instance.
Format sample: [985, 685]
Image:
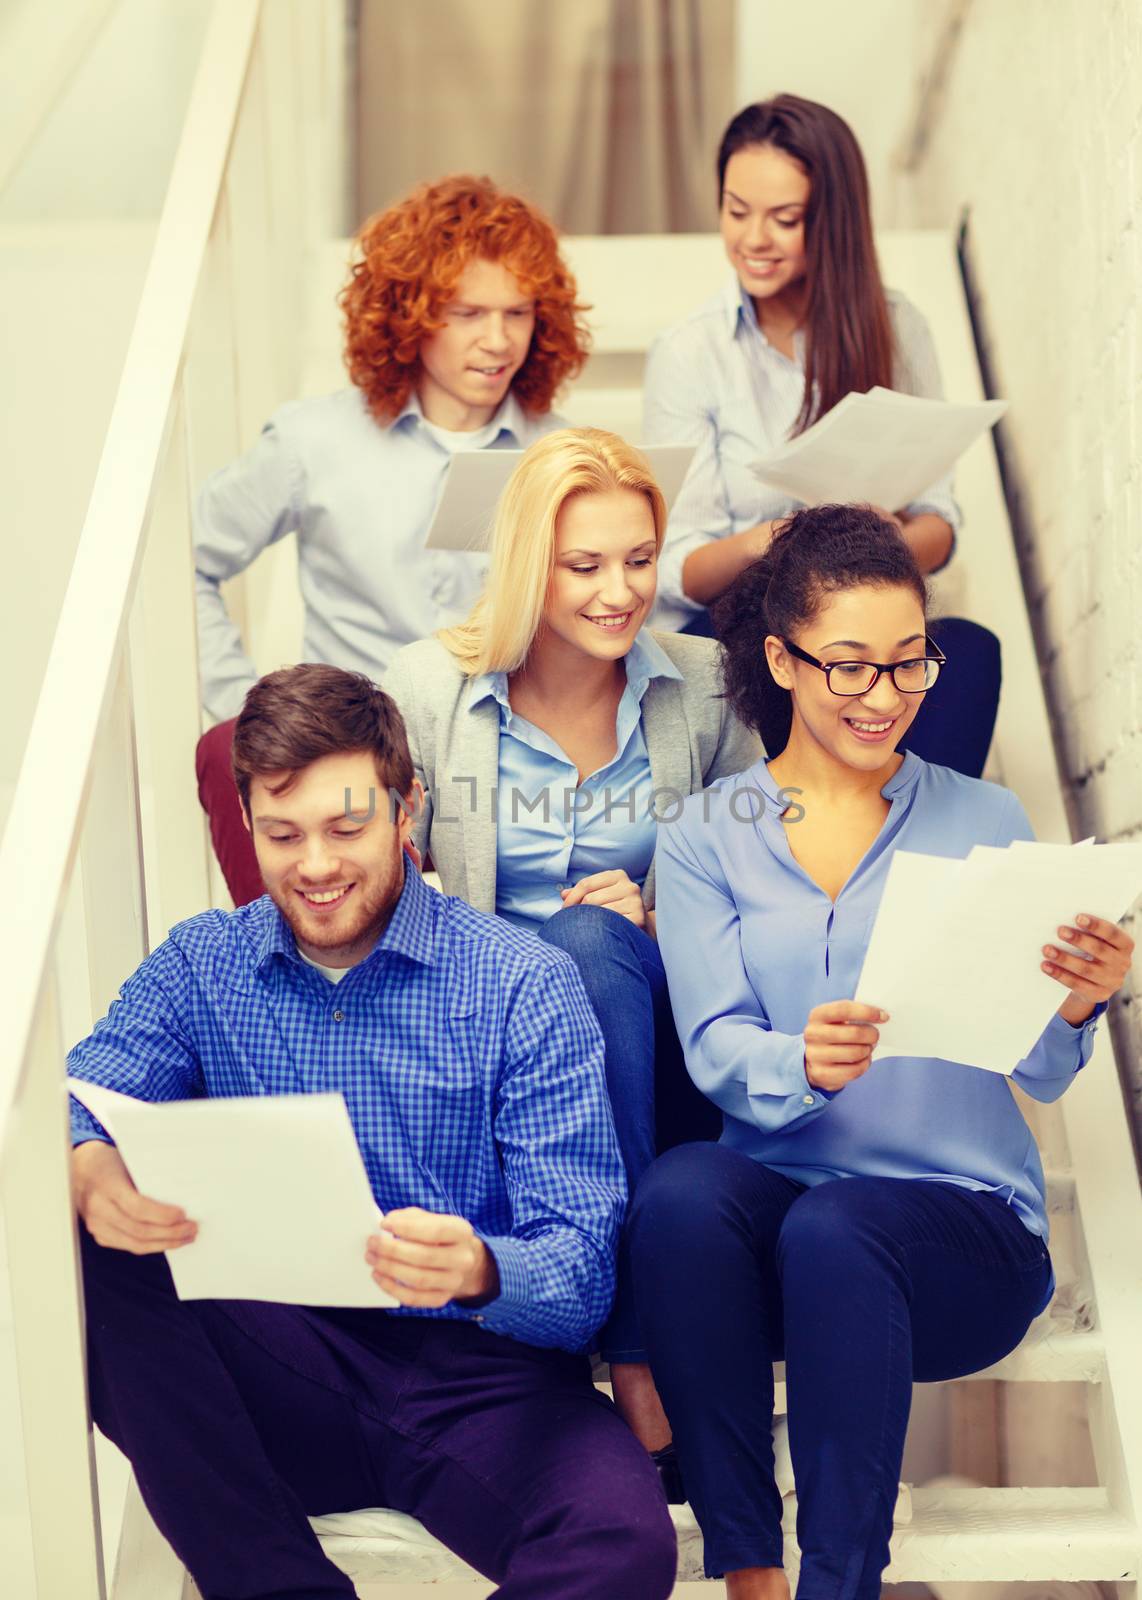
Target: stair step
[982, 1535]
[974, 1535]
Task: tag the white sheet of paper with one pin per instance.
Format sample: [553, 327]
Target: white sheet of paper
[476, 478]
[955, 954]
[276, 1184]
[882, 447]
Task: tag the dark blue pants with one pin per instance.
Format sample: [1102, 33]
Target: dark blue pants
[241, 1419]
[864, 1285]
[954, 725]
[653, 1099]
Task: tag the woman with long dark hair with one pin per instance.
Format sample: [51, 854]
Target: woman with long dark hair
[805, 321]
[874, 1222]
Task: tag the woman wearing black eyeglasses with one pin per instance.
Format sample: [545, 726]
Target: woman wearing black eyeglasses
[872, 1224]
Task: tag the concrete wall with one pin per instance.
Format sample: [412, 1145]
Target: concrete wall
[1038, 132]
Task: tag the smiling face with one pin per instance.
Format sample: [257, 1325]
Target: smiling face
[334, 871]
[467, 366]
[765, 194]
[602, 589]
[866, 623]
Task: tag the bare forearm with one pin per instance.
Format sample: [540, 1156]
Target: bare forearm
[930, 538]
[708, 571]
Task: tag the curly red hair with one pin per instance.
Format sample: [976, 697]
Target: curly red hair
[411, 257]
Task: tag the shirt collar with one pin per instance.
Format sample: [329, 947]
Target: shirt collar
[737, 307]
[410, 931]
[902, 782]
[646, 659]
[511, 418]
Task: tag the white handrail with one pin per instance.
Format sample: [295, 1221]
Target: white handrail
[40, 842]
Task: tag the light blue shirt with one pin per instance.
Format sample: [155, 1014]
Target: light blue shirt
[552, 830]
[751, 944]
[715, 380]
[361, 497]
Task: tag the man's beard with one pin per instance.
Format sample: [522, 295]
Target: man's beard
[368, 912]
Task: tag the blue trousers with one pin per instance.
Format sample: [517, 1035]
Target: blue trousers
[953, 727]
[242, 1419]
[653, 1100]
[864, 1285]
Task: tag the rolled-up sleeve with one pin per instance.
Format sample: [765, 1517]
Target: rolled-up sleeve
[918, 372]
[239, 511]
[734, 1055]
[562, 1167]
[677, 409]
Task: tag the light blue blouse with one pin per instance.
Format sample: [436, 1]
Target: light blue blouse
[552, 830]
[751, 944]
[715, 380]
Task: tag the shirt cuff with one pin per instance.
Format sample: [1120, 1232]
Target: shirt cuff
[502, 1314]
[1073, 1030]
[84, 1126]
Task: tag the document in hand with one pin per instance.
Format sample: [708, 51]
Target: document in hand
[881, 447]
[467, 503]
[275, 1182]
[955, 955]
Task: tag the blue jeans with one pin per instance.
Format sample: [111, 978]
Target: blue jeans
[653, 1101]
[953, 727]
[864, 1285]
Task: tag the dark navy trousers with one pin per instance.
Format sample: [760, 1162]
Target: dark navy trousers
[243, 1419]
[864, 1285]
[654, 1101]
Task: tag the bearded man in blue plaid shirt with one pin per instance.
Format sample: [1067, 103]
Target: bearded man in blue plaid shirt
[472, 1068]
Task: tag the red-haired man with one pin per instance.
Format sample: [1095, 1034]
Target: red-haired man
[461, 325]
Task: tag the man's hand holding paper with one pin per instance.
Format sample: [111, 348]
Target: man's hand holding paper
[424, 1259]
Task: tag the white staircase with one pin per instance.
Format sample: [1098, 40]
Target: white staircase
[112, 743]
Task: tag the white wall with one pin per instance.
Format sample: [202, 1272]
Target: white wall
[865, 61]
[1039, 133]
[76, 225]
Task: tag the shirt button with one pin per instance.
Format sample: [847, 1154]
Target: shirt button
[476, 1317]
[807, 1100]
[339, 1016]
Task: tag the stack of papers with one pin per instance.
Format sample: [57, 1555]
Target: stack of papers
[882, 447]
[275, 1182]
[476, 478]
[956, 954]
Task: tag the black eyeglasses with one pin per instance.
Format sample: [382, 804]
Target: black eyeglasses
[858, 677]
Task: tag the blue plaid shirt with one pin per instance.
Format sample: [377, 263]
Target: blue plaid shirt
[469, 1058]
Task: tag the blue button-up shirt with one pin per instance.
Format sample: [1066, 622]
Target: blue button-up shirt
[469, 1058]
[715, 380]
[751, 944]
[552, 830]
[361, 497]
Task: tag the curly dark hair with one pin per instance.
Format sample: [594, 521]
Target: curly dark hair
[817, 552]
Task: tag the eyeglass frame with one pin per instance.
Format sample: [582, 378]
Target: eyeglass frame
[933, 653]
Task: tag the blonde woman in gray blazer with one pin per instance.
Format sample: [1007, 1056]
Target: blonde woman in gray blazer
[551, 733]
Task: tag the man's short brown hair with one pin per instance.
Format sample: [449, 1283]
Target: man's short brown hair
[297, 715]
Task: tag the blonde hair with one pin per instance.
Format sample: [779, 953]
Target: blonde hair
[502, 625]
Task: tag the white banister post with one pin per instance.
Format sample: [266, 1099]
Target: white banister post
[48, 1320]
[164, 658]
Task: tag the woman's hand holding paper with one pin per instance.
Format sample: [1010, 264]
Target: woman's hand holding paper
[840, 1037]
[1092, 963]
[425, 1259]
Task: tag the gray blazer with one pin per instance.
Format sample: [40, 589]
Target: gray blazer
[692, 737]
